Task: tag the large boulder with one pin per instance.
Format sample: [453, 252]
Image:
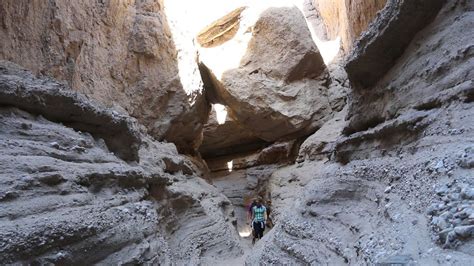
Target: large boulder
[270, 74]
[120, 53]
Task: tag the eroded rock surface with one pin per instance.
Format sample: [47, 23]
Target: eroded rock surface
[387, 38]
[402, 190]
[386, 178]
[408, 199]
[119, 53]
[435, 67]
[20, 88]
[65, 198]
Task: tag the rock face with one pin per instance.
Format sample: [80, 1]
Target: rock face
[428, 77]
[278, 89]
[320, 145]
[65, 199]
[18, 87]
[118, 53]
[387, 201]
[389, 36]
[346, 19]
[403, 193]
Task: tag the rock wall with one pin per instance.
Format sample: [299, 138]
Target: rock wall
[399, 189]
[435, 63]
[67, 199]
[120, 53]
[386, 178]
[346, 19]
[378, 49]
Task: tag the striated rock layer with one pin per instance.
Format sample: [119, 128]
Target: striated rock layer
[120, 53]
[66, 199]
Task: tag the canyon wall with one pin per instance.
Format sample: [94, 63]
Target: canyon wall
[395, 185]
[346, 19]
[68, 197]
[120, 53]
[365, 159]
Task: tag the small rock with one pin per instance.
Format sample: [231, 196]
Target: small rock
[454, 196]
[467, 193]
[446, 215]
[51, 179]
[461, 215]
[54, 145]
[464, 231]
[26, 126]
[9, 195]
[456, 222]
[442, 190]
[388, 189]
[79, 149]
[440, 223]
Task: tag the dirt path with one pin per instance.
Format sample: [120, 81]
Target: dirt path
[234, 185]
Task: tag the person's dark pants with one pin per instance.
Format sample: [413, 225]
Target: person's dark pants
[258, 228]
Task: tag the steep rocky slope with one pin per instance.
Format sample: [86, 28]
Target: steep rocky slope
[66, 198]
[396, 188]
[119, 53]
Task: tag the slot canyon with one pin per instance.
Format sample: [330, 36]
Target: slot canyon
[138, 132]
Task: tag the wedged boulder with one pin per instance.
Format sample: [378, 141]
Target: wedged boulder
[227, 138]
[387, 38]
[277, 87]
[120, 53]
[279, 153]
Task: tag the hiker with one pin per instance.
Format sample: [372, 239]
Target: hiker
[259, 217]
[249, 210]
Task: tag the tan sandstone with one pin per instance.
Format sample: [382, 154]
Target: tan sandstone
[120, 53]
[347, 19]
